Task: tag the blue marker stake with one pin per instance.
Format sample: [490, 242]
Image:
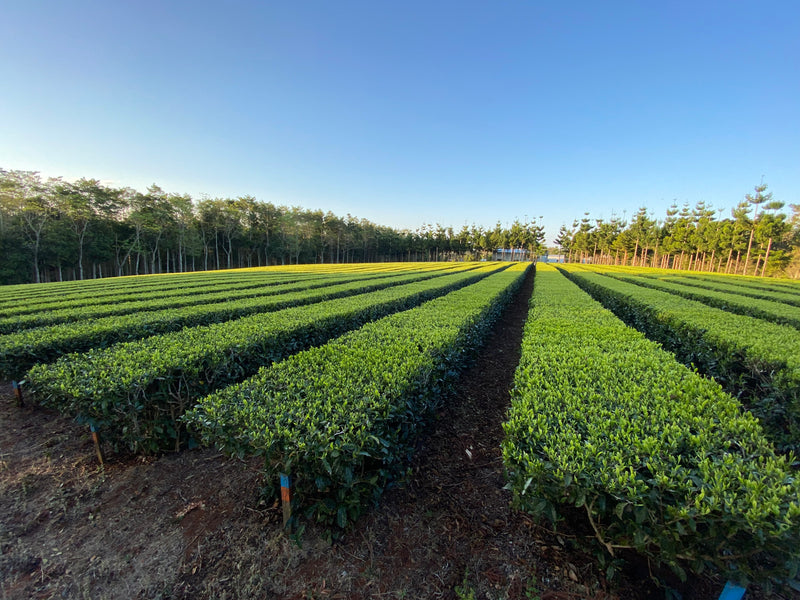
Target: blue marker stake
[286, 497]
[732, 591]
[17, 392]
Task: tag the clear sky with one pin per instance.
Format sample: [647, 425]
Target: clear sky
[411, 112]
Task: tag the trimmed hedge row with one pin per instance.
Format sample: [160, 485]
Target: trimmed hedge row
[88, 299]
[790, 286]
[182, 284]
[659, 458]
[755, 360]
[341, 418]
[33, 292]
[773, 311]
[20, 351]
[54, 317]
[135, 392]
[777, 290]
[734, 287]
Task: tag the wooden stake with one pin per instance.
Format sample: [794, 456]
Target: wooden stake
[18, 393]
[97, 449]
[286, 497]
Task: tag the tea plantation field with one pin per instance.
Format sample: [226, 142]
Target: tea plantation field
[664, 405]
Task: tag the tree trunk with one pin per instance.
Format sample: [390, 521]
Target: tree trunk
[80, 252]
[36, 273]
[155, 256]
[749, 245]
[766, 258]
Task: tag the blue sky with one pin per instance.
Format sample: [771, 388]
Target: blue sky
[411, 112]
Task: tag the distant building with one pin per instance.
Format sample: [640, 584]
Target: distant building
[511, 254]
[553, 258]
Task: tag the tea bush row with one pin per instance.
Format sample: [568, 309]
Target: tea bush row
[660, 459]
[135, 392]
[342, 418]
[757, 361]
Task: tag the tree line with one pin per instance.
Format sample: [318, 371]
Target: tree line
[57, 230]
[757, 239]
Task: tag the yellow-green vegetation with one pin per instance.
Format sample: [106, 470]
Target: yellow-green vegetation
[763, 290]
[770, 310]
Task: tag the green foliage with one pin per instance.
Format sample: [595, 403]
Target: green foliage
[465, 591]
[109, 297]
[659, 458]
[768, 310]
[763, 290]
[532, 589]
[20, 351]
[342, 418]
[170, 299]
[52, 230]
[757, 240]
[134, 393]
[757, 361]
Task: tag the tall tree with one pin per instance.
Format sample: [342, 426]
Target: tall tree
[771, 231]
[33, 202]
[564, 240]
[755, 200]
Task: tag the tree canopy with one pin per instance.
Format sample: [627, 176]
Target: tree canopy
[53, 230]
[757, 239]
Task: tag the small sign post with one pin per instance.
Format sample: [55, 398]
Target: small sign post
[286, 497]
[731, 591]
[18, 393]
[97, 449]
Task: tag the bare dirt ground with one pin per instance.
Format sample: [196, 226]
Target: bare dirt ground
[191, 525]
